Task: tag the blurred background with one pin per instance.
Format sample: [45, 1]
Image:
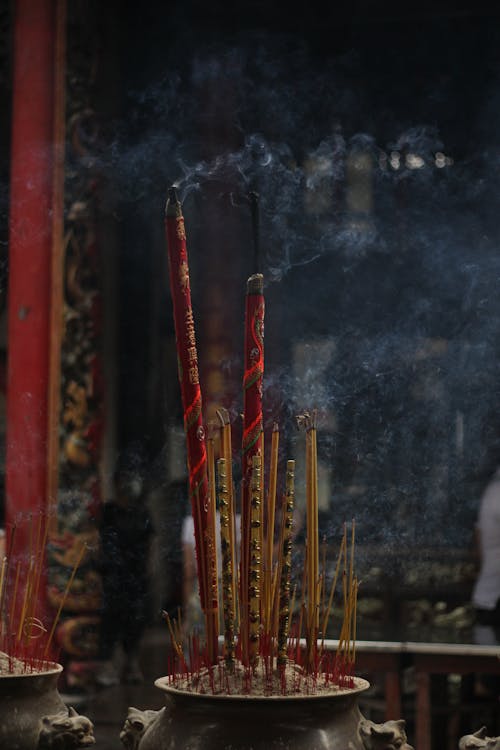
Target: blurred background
[371, 136]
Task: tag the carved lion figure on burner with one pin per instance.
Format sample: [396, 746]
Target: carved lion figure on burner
[389, 735]
[65, 731]
[135, 726]
[479, 740]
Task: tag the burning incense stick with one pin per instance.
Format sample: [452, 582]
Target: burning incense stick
[191, 399]
[286, 565]
[252, 443]
[227, 564]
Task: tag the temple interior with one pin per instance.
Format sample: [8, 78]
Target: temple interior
[347, 152]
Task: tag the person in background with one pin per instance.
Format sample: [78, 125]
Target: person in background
[125, 534]
[486, 592]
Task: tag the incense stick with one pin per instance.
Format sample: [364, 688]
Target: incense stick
[255, 563]
[227, 571]
[212, 571]
[63, 599]
[14, 597]
[286, 567]
[271, 509]
[332, 591]
[191, 396]
[227, 455]
[176, 645]
[308, 422]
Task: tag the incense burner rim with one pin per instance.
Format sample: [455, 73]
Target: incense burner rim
[53, 670]
[360, 686]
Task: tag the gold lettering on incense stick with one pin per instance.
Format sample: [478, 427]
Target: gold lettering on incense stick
[190, 328]
[286, 565]
[227, 565]
[193, 374]
[184, 276]
[180, 228]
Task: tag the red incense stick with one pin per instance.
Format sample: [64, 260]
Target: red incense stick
[192, 405]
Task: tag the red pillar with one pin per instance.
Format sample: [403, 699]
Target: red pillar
[30, 243]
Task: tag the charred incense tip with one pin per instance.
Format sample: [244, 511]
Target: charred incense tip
[275, 427]
[302, 420]
[255, 284]
[212, 427]
[223, 415]
[173, 206]
[307, 421]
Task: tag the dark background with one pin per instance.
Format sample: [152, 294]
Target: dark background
[411, 303]
[227, 98]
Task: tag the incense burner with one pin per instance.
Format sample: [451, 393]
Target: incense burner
[34, 717]
[237, 722]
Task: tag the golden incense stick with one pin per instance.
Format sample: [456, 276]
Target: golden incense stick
[174, 637]
[28, 586]
[286, 566]
[227, 570]
[292, 603]
[14, 596]
[303, 594]
[326, 617]
[277, 572]
[227, 454]
[271, 510]
[38, 561]
[255, 561]
[41, 560]
[308, 422]
[354, 617]
[64, 597]
[351, 581]
[211, 545]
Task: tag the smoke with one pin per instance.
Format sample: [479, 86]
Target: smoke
[379, 250]
[255, 117]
